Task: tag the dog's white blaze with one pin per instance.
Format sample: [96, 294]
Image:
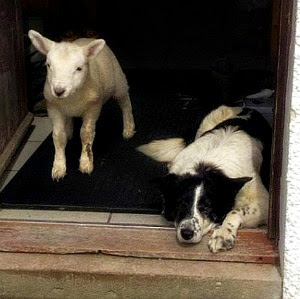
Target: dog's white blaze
[198, 194]
[205, 224]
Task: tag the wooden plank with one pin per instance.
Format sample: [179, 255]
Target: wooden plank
[274, 40]
[13, 102]
[14, 142]
[61, 238]
[286, 18]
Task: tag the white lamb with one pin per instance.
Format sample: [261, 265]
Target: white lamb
[81, 76]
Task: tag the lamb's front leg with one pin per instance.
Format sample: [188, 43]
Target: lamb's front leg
[87, 134]
[60, 136]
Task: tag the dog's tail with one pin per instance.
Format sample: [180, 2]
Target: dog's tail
[164, 150]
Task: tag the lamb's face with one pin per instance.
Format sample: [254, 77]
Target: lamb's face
[67, 63]
[67, 68]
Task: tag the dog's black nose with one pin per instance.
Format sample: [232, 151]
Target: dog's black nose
[59, 91]
[187, 234]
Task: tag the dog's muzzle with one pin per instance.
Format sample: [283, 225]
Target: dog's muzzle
[189, 231]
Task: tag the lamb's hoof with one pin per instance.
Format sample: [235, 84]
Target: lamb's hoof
[58, 172]
[86, 166]
[222, 239]
[128, 133]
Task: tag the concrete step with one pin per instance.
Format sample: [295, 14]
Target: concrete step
[103, 276]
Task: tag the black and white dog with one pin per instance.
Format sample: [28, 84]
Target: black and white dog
[216, 181]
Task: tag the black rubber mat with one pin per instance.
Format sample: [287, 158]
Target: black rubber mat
[121, 180]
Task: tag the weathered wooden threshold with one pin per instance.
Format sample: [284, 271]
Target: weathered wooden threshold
[252, 246]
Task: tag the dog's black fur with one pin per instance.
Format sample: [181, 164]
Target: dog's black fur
[217, 201]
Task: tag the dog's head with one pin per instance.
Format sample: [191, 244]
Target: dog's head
[198, 202]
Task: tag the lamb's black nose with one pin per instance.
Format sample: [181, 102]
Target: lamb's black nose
[59, 91]
[187, 234]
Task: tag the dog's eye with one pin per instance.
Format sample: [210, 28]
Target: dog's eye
[79, 69]
[48, 65]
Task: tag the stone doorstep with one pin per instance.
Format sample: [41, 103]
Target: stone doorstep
[104, 276]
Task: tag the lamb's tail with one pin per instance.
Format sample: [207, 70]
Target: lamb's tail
[164, 150]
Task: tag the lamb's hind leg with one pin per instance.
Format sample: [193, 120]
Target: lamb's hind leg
[251, 212]
[87, 134]
[128, 120]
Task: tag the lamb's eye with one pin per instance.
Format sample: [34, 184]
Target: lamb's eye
[48, 65]
[79, 69]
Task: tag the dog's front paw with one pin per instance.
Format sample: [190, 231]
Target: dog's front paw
[86, 166]
[59, 170]
[222, 239]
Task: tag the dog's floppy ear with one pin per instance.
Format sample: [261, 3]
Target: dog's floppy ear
[167, 186]
[238, 183]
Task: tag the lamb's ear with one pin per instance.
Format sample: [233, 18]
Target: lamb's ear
[94, 48]
[41, 43]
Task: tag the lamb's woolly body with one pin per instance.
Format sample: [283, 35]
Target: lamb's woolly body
[81, 76]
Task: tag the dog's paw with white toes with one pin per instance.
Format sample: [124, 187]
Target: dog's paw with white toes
[222, 239]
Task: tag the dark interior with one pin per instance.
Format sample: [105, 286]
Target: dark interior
[173, 41]
[181, 58]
